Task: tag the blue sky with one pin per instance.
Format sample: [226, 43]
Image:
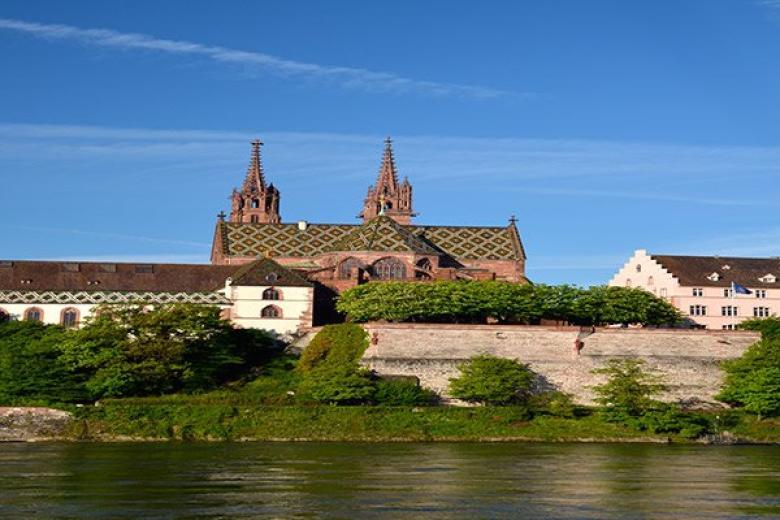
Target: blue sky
[605, 126]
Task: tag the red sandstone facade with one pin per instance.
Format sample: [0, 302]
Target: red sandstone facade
[386, 246]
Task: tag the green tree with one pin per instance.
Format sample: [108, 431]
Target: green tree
[753, 380]
[478, 301]
[629, 389]
[341, 343]
[492, 380]
[133, 350]
[402, 392]
[336, 383]
[30, 366]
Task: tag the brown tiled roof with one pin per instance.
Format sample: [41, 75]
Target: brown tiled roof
[267, 272]
[25, 275]
[287, 240]
[694, 270]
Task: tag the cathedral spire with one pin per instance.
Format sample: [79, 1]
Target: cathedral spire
[388, 175]
[255, 178]
[255, 202]
[388, 196]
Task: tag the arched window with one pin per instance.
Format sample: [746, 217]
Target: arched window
[254, 219]
[69, 317]
[271, 311]
[4, 316]
[33, 314]
[628, 282]
[638, 268]
[255, 203]
[423, 269]
[389, 269]
[348, 266]
[650, 280]
[272, 294]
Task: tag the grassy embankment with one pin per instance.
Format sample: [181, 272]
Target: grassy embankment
[237, 416]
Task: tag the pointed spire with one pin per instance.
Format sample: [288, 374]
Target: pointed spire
[388, 175]
[254, 174]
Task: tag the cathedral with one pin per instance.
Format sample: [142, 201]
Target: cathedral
[386, 245]
[274, 275]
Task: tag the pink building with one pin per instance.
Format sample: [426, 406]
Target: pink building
[701, 286]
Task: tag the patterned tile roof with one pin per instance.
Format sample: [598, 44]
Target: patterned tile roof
[383, 234]
[115, 297]
[694, 270]
[288, 240]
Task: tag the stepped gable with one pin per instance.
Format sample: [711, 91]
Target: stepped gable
[694, 270]
[385, 235]
[265, 271]
[235, 239]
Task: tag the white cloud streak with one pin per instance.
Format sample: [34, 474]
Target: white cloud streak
[346, 77]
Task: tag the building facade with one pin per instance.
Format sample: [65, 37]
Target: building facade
[273, 275]
[386, 245]
[701, 286]
[260, 294]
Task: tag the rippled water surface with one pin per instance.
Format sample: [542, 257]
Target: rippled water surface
[283, 480]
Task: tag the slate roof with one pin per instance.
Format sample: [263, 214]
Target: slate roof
[287, 240]
[26, 275]
[694, 270]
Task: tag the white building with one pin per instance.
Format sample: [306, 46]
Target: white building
[261, 294]
[701, 286]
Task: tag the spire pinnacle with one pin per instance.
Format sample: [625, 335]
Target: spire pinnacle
[255, 179]
[388, 175]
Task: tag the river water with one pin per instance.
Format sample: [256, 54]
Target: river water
[340, 480]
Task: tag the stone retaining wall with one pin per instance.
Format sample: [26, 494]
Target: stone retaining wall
[688, 360]
[32, 424]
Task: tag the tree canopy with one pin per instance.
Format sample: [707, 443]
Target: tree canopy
[505, 302]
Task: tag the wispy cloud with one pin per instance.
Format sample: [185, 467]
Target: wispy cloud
[347, 77]
[112, 236]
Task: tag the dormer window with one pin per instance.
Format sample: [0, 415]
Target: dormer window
[768, 278]
[271, 277]
[714, 277]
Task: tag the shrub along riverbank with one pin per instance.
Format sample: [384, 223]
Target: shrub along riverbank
[179, 372]
[197, 421]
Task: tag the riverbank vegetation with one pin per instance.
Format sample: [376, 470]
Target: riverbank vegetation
[179, 372]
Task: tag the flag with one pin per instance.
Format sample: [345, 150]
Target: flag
[740, 289]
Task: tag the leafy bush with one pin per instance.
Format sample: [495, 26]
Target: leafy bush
[403, 392]
[336, 383]
[492, 380]
[341, 343]
[669, 419]
[131, 350]
[628, 391]
[753, 380]
[478, 301]
[557, 404]
[30, 366]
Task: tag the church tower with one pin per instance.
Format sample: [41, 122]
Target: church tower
[388, 196]
[255, 202]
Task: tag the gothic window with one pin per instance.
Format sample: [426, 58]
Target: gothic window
[255, 203]
[272, 294]
[69, 317]
[4, 316]
[254, 219]
[271, 311]
[33, 314]
[347, 266]
[389, 269]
